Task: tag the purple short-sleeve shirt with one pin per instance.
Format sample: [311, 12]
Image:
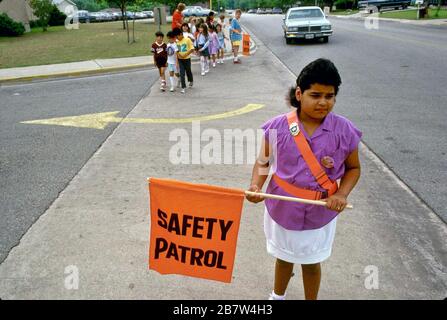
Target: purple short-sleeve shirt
[336, 137]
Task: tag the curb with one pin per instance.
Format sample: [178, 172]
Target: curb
[74, 73]
[102, 70]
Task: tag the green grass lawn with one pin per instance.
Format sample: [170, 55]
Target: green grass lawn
[90, 41]
[411, 14]
[344, 12]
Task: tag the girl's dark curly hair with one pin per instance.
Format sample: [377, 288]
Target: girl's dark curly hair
[321, 71]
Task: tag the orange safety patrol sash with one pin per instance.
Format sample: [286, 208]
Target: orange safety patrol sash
[313, 164]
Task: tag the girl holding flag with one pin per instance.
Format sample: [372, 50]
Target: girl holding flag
[314, 148]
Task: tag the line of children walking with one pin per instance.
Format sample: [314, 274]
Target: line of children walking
[208, 42]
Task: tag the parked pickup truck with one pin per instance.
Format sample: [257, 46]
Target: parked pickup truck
[369, 5]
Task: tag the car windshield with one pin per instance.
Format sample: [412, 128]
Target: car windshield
[307, 13]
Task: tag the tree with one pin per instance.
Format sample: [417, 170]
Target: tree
[42, 10]
[57, 18]
[122, 5]
[91, 5]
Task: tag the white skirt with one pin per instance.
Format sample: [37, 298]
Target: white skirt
[302, 247]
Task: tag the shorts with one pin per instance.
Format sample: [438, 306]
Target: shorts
[236, 43]
[161, 63]
[172, 68]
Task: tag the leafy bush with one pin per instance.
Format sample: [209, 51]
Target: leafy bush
[57, 18]
[344, 4]
[34, 24]
[9, 27]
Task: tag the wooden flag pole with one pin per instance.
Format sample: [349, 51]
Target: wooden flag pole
[274, 196]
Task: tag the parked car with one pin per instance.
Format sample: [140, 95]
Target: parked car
[117, 15]
[83, 16]
[370, 5]
[195, 11]
[148, 13]
[268, 11]
[140, 15]
[251, 11]
[130, 15]
[277, 11]
[95, 17]
[105, 16]
[306, 23]
[260, 11]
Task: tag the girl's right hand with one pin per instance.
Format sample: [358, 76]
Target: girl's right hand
[254, 198]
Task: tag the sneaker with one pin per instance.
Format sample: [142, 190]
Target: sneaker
[237, 61]
[274, 296]
[172, 89]
[207, 70]
[190, 84]
[214, 64]
[183, 90]
[162, 88]
[203, 73]
[221, 61]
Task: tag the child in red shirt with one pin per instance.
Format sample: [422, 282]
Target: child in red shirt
[160, 53]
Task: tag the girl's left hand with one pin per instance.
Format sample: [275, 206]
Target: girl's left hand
[336, 202]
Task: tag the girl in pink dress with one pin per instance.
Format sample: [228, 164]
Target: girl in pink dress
[312, 149]
[214, 44]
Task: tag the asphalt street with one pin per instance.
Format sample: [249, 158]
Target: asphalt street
[393, 88]
[38, 161]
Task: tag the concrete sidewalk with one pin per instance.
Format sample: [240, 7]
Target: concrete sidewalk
[99, 225]
[84, 67]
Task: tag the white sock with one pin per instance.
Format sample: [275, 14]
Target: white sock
[202, 63]
[274, 296]
[171, 80]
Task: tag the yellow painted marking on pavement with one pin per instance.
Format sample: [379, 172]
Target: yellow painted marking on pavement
[101, 120]
[94, 120]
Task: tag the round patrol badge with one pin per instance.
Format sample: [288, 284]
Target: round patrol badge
[327, 162]
[294, 129]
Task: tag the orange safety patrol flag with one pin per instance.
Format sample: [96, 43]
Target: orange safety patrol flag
[194, 228]
[246, 44]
